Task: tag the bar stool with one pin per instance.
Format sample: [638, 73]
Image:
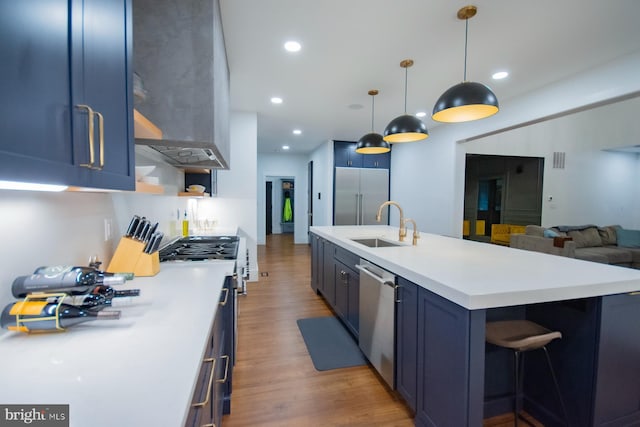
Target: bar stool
[522, 336]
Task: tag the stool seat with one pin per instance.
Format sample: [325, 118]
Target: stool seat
[519, 335]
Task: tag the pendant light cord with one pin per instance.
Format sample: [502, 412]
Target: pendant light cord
[406, 72]
[373, 103]
[466, 33]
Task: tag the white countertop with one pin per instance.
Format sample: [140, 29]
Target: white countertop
[479, 275]
[139, 370]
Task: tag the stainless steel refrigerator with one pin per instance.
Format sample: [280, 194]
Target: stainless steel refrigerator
[358, 194]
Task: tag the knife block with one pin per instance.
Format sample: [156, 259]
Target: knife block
[147, 265]
[129, 258]
[126, 256]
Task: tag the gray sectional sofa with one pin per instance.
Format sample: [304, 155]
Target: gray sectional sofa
[609, 245]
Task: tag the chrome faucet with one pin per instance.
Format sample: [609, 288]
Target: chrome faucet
[403, 227]
[416, 233]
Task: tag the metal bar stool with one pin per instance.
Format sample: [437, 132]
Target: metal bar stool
[522, 336]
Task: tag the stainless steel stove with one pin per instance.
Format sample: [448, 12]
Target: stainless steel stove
[200, 248]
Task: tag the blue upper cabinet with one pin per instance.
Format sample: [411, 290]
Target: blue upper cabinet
[64, 58]
[344, 154]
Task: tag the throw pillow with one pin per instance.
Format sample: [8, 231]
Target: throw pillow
[608, 234]
[587, 238]
[628, 238]
[550, 233]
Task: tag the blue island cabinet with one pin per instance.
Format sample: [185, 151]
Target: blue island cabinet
[450, 377]
[66, 93]
[440, 358]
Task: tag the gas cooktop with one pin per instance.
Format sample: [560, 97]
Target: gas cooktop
[200, 248]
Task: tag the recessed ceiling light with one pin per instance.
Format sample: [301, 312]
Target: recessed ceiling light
[292, 46]
[421, 114]
[297, 131]
[500, 75]
[285, 147]
[276, 100]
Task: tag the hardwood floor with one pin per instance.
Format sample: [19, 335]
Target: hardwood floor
[274, 381]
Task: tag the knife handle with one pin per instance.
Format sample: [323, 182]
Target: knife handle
[132, 226]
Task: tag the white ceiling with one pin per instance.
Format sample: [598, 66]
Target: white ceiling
[352, 46]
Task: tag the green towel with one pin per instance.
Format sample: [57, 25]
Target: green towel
[287, 212]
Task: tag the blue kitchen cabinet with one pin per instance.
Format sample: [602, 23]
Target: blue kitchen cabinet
[344, 155]
[407, 341]
[317, 262]
[378, 161]
[227, 352]
[347, 285]
[328, 288]
[212, 395]
[65, 56]
[450, 362]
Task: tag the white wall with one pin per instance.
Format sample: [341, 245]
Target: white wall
[322, 158]
[272, 167]
[427, 178]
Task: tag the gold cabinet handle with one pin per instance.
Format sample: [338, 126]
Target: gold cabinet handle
[209, 387]
[92, 157]
[226, 297]
[101, 133]
[208, 425]
[226, 369]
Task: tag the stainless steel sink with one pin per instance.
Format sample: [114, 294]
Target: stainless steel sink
[376, 242]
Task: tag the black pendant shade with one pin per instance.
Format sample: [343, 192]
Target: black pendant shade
[372, 143]
[405, 128]
[464, 102]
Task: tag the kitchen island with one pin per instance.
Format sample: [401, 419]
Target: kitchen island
[458, 285]
[138, 370]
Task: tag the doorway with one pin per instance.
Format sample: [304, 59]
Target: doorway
[269, 208]
[501, 190]
[489, 204]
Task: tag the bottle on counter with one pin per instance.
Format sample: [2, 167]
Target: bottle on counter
[46, 316]
[73, 280]
[185, 225]
[98, 298]
[56, 269]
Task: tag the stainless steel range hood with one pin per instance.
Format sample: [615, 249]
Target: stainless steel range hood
[187, 154]
[183, 67]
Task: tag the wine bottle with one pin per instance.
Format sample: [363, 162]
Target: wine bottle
[45, 316]
[56, 269]
[75, 281]
[109, 292]
[91, 301]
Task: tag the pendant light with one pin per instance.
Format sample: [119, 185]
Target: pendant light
[405, 128]
[372, 143]
[465, 101]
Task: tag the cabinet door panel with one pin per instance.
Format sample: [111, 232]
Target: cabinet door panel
[35, 131]
[618, 376]
[342, 289]
[105, 88]
[406, 341]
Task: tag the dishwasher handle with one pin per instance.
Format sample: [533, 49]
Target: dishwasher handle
[376, 276]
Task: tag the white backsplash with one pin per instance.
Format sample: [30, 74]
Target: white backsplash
[39, 228]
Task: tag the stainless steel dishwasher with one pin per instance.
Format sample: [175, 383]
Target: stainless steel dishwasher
[377, 318]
